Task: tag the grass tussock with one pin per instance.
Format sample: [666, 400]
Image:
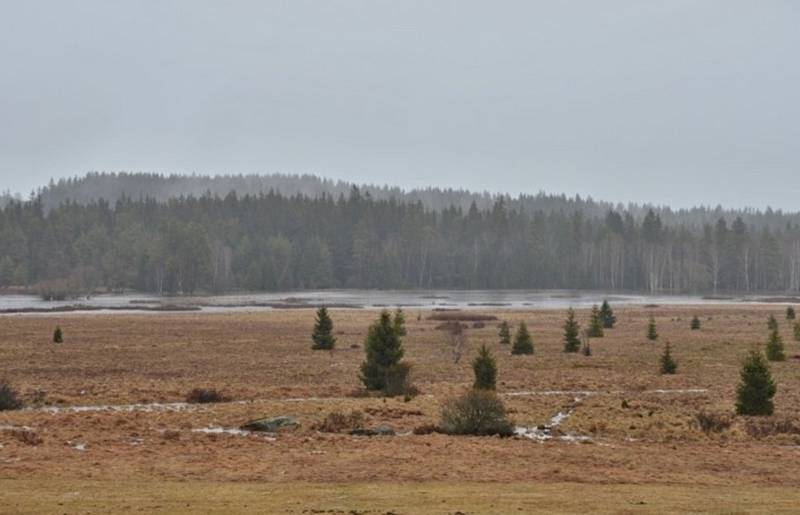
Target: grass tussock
[205, 396]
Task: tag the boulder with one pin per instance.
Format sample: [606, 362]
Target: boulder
[272, 425]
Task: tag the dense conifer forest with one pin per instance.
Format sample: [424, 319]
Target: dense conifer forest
[214, 234]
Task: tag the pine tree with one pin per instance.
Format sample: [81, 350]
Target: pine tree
[485, 370]
[522, 341]
[775, 347]
[695, 325]
[571, 341]
[322, 335]
[505, 333]
[58, 335]
[790, 315]
[668, 364]
[607, 315]
[652, 333]
[756, 389]
[772, 324]
[400, 322]
[384, 349]
[595, 324]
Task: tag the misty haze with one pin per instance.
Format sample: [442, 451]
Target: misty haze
[399, 257]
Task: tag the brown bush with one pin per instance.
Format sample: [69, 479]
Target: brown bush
[477, 412]
[205, 396]
[426, 429]
[26, 436]
[340, 422]
[712, 422]
[770, 427]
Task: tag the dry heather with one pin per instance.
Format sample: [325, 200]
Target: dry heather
[627, 424]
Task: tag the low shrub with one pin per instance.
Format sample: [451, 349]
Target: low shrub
[766, 427]
[712, 422]
[205, 396]
[8, 397]
[340, 422]
[426, 429]
[27, 436]
[477, 412]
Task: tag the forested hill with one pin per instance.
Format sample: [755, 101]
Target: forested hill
[275, 242]
[113, 186]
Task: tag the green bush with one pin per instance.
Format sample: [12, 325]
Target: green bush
[790, 315]
[477, 412]
[595, 329]
[8, 397]
[522, 341]
[775, 347]
[571, 341]
[398, 380]
[381, 370]
[668, 364]
[695, 324]
[400, 322]
[772, 324]
[607, 316]
[58, 335]
[322, 335]
[652, 333]
[756, 387]
[505, 333]
[485, 370]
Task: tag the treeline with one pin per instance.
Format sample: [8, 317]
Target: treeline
[114, 186]
[271, 241]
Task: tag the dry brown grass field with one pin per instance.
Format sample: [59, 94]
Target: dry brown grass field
[640, 448]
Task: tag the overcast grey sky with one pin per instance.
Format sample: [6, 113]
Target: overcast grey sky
[677, 102]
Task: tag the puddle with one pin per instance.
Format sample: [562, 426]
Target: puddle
[78, 446]
[545, 432]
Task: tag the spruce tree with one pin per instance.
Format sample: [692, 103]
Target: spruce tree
[384, 350]
[775, 347]
[772, 324]
[668, 364]
[571, 341]
[58, 335]
[522, 341]
[505, 333]
[595, 329]
[652, 333]
[400, 322]
[790, 315]
[322, 336]
[485, 370]
[607, 315]
[695, 324]
[756, 389]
